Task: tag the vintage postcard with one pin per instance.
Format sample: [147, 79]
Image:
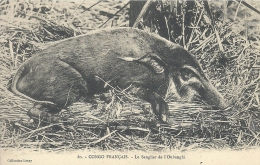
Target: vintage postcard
[129, 82]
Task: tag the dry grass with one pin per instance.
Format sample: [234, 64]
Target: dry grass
[27, 27]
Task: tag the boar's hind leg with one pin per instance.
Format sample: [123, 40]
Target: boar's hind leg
[65, 85]
[159, 106]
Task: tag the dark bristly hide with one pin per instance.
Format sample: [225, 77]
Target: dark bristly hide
[144, 64]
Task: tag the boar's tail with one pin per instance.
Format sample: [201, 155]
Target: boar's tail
[21, 71]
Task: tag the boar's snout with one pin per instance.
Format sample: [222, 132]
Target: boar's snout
[213, 97]
[192, 85]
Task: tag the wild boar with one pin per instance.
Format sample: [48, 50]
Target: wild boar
[145, 64]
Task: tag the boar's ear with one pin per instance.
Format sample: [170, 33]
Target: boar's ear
[152, 62]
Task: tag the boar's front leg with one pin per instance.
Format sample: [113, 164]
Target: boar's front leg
[158, 70]
[159, 106]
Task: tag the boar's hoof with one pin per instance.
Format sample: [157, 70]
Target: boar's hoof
[160, 109]
[39, 113]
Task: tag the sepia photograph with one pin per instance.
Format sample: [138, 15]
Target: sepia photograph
[129, 82]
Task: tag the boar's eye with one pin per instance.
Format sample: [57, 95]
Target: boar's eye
[186, 74]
